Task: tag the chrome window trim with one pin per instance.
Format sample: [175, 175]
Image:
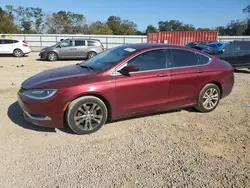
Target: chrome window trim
[114, 72]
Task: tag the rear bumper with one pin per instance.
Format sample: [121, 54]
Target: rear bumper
[26, 50]
[227, 84]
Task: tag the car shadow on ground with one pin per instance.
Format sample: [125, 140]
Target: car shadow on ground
[242, 71]
[15, 114]
[66, 60]
[11, 55]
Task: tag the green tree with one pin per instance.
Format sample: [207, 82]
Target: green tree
[121, 27]
[38, 16]
[203, 29]
[151, 29]
[175, 25]
[7, 24]
[247, 10]
[236, 27]
[114, 23]
[24, 17]
[65, 22]
[100, 28]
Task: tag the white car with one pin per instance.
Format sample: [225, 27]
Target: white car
[16, 47]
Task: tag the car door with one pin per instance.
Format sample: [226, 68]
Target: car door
[231, 54]
[65, 49]
[1, 46]
[145, 90]
[8, 46]
[244, 59]
[80, 49]
[187, 78]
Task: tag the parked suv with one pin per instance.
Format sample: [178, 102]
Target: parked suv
[237, 53]
[16, 47]
[72, 49]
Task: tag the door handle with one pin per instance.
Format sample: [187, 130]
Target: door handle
[162, 75]
[199, 71]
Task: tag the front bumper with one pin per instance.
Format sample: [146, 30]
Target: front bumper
[46, 113]
[43, 55]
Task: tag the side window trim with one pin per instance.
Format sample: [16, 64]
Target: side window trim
[169, 62]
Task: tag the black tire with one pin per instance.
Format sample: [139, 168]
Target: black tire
[75, 110]
[204, 99]
[18, 53]
[52, 56]
[91, 54]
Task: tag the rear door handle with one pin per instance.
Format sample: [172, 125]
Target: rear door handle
[162, 75]
[199, 71]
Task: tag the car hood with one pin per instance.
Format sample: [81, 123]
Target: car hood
[48, 48]
[55, 78]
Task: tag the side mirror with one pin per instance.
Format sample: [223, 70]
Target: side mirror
[129, 68]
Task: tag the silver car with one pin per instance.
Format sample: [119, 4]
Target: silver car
[72, 49]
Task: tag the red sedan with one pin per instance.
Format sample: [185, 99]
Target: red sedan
[125, 81]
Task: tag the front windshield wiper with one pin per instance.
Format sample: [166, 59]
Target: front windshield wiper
[87, 67]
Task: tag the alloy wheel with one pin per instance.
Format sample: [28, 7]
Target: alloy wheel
[210, 98]
[52, 57]
[88, 116]
[18, 53]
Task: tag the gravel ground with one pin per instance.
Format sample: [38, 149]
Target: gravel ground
[182, 148]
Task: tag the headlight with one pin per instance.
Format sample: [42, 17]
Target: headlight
[40, 93]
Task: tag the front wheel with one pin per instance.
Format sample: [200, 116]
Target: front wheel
[18, 53]
[209, 98]
[52, 56]
[86, 114]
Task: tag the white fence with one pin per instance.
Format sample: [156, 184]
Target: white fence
[39, 41]
[231, 38]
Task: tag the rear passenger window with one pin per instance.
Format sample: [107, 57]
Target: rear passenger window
[15, 41]
[80, 43]
[203, 59]
[93, 43]
[6, 41]
[183, 58]
[152, 60]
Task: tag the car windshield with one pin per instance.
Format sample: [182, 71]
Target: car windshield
[109, 58]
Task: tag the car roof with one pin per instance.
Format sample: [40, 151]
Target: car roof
[141, 46]
[86, 39]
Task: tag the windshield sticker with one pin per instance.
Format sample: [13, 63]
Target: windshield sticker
[130, 49]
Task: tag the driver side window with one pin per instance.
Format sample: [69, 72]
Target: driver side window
[64, 44]
[232, 47]
[152, 60]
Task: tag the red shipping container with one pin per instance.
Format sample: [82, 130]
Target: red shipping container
[182, 37]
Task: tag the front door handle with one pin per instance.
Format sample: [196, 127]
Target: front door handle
[199, 71]
[162, 75]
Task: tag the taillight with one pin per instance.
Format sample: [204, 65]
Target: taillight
[25, 45]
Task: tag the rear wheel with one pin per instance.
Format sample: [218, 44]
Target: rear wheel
[209, 98]
[86, 114]
[18, 53]
[52, 56]
[91, 54]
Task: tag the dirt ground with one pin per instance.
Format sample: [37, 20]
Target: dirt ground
[182, 148]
